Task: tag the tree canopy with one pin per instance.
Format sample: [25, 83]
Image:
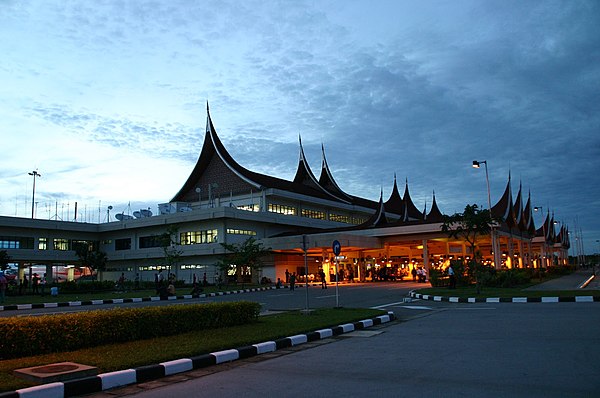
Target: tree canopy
[469, 225]
[247, 254]
[4, 260]
[93, 259]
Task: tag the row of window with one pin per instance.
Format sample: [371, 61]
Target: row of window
[316, 214]
[28, 243]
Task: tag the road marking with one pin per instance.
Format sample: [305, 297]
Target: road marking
[416, 307]
[320, 297]
[387, 305]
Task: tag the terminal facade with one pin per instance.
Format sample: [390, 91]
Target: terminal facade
[223, 202]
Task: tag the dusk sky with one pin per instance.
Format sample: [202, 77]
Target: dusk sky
[107, 99]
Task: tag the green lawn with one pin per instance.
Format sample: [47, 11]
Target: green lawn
[145, 352]
[107, 295]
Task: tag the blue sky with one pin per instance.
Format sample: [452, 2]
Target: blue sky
[107, 99]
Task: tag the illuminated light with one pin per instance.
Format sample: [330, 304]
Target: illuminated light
[420, 247]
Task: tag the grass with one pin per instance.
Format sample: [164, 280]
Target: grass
[108, 295]
[151, 351]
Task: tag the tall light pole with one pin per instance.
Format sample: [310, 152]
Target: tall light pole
[34, 173]
[543, 259]
[477, 164]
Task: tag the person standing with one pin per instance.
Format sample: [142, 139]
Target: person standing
[287, 276]
[35, 283]
[323, 280]
[292, 281]
[23, 286]
[451, 277]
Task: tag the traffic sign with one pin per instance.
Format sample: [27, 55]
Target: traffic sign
[337, 247]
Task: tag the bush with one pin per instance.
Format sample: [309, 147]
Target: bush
[25, 336]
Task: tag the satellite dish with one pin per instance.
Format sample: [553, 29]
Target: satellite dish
[123, 217]
[145, 213]
[137, 214]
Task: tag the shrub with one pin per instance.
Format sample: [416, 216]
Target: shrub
[24, 336]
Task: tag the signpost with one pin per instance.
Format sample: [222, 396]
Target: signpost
[337, 249]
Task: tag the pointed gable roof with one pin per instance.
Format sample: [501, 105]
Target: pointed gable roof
[434, 215]
[410, 210]
[305, 176]
[395, 204]
[378, 218]
[528, 214]
[504, 208]
[544, 229]
[214, 159]
[326, 179]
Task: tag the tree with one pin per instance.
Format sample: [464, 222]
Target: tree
[4, 260]
[469, 226]
[242, 257]
[168, 243]
[90, 257]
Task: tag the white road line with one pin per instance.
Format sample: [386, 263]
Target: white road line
[387, 305]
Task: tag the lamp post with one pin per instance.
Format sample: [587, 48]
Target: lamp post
[34, 173]
[477, 164]
[540, 209]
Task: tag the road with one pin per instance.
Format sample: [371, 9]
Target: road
[379, 294]
[442, 350]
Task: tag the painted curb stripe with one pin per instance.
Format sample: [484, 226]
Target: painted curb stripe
[177, 366]
[51, 390]
[118, 378]
[268, 346]
[142, 374]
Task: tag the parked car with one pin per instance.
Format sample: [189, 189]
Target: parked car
[11, 276]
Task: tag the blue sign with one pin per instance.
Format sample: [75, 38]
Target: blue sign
[337, 247]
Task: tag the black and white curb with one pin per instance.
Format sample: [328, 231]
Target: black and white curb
[560, 299]
[106, 381]
[14, 307]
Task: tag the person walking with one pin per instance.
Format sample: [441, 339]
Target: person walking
[323, 280]
[451, 277]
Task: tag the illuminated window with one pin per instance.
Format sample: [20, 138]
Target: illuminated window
[61, 244]
[319, 215]
[240, 232]
[282, 209]
[43, 244]
[198, 237]
[250, 207]
[339, 218]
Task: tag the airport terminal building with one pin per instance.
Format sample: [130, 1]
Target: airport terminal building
[223, 202]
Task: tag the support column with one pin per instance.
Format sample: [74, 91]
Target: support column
[426, 256]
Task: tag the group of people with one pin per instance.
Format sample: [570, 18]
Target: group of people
[419, 275]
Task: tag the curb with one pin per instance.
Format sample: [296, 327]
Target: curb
[558, 299]
[121, 378]
[14, 307]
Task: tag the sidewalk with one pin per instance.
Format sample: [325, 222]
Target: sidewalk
[574, 282]
[571, 282]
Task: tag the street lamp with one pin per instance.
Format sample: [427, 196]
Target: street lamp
[540, 209]
[477, 164]
[34, 173]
